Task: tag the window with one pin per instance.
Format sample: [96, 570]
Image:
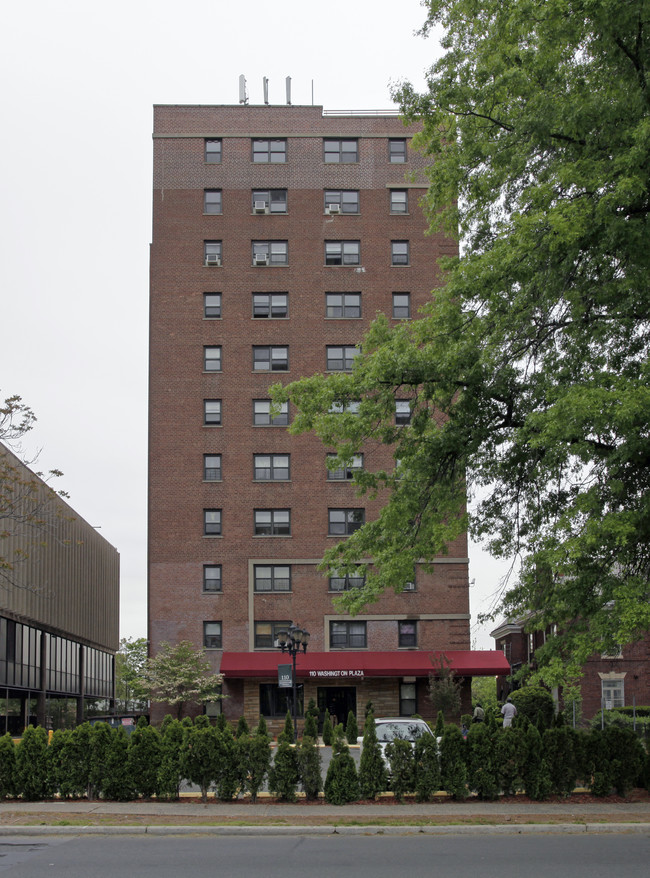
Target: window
[262, 414]
[212, 635]
[407, 699]
[348, 635]
[399, 252]
[340, 359]
[345, 472]
[613, 692]
[270, 253]
[410, 584]
[212, 412]
[346, 581]
[266, 633]
[212, 304]
[211, 577]
[343, 304]
[349, 408]
[272, 577]
[402, 412]
[397, 150]
[271, 467]
[212, 359]
[213, 151]
[274, 305]
[399, 201]
[407, 633]
[212, 467]
[212, 522]
[275, 701]
[273, 151]
[340, 151]
[401, 306]
[212, 201]
[270, 358]
[343, 522]
[269, 200]
[342, 252]
[272, 522]
[212, 253]
[341, 201]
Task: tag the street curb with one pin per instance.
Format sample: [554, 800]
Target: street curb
[499, 829]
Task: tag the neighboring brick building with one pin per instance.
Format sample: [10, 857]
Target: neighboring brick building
[278, 233]
[59, 607]
[608, 681]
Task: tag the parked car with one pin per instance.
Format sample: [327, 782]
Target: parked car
[391, 728]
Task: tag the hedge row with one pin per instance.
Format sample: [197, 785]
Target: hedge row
[98, 761]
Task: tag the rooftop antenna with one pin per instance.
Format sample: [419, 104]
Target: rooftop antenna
[265, 84]
[243, 98]
[288, 84]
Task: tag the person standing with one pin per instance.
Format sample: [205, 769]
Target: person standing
[509, 712]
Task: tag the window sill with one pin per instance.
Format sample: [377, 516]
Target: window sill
[271, 481]
[272, 537]
[212, 426]
[212, 536]
[212, 592]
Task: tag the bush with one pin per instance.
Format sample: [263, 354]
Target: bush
[7, 766]
[510, 758]
[287, 733]
[259, 760]
[311, 726]
[537, 783]
[626, 758]
[144, 758]
[402, 767]
[341, 782]
[170, 773]
[116, 782]
[453, 769]
[482, 763]
[373, 778]
[284, 776]
[242, 727]
[309, 767]
[328, 734]
[32, 764]
[200, 758]
[351, 728]
[427, 768]
[227, 775]
[559, 752]
[536, 704]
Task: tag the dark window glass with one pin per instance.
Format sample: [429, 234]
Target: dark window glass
[270, 305]
[212, 467]
[340, 359]
[272, 151]
[399, 252]
[343, 522]
[212, 304]
[271, 467]
[408, 633]
[270, 358]
[337, 151]
[397, 150]
[272, 577]
[348, 635]
[262, 414]
[269, 200]
[272, 522]
[212, 522]
[266, 633]
[211, 577]
[342, 252]
[341, 201]
[347, 471]
[212, 412]
[343, 305]
[276, 702]
[212, 635]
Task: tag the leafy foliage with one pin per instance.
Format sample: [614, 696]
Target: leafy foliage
[180, 675]
[351, 728]
[284, 775]
[131, 689]
[341, 781]
[427, 768]
[402, 767]
[309, 767]
[373, 778]
[7, 766]
[528, 374]
[535, 703]
[32, 764]
[444, 687]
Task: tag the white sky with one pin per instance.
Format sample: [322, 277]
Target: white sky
[80, 79]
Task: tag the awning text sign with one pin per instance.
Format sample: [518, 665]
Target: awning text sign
[339, 674]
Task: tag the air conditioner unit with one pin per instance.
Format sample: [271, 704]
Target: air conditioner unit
[259, 207]
[334, 208]
[260, 259]
[213, 259]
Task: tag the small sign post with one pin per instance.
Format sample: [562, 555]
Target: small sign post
[285, 676]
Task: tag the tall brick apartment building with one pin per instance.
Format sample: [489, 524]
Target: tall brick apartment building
[278, 233]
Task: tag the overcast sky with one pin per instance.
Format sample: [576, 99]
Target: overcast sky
[80, 79]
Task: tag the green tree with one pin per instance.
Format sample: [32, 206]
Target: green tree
[453, 767]
[402, 767]
[117, 783]
[445, 687]
[536, 704]
[427, 768]
[351, 728]
[144, 758]
[309, 767]
[131, 687]
[327, 729]
[180, 675]
[228, 778]
[99, 746]
[259, 759]
[373, 778]
[200, 758]
[170, 773]
[482, 762]
[284, 775]
[534, 353]
[341, 781]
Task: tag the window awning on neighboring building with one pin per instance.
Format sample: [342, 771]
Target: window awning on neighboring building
[350, 665]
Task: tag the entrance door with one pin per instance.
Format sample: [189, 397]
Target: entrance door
[338, 700]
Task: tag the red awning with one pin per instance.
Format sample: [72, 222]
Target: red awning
[348, 665]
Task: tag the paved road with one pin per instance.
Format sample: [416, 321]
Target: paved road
[506, 856]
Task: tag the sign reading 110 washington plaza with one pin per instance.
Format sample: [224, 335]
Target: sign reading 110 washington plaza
[357, 674]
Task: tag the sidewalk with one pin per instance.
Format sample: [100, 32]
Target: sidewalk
[442, 815]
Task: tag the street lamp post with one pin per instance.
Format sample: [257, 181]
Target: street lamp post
[290, 641]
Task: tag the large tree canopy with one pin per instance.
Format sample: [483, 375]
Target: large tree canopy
[528, 371]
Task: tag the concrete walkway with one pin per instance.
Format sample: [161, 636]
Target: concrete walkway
[440, 816]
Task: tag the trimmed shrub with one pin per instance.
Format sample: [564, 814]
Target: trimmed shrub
[537, 783]
[287, 733]
[32, 764]
[311, 727]
[482, 763]
[242, 727]
[284, 776]
[626, 758]
[309, 767]
[101, 735]
[259, 761]
[341, 782]
[7, 766]
[170, 774]
[373, 778]
[440, 725]
[402, 767]
[453, 768]
[144, 759]
[262, 729]
[328, 732]
[597, 763]
[200, 758]
[351, 728]
[427, 768]
[117, 783]
[228, 774]
[559, 753]
[510, 751]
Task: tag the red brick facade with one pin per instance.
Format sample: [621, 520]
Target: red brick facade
[180, 383]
